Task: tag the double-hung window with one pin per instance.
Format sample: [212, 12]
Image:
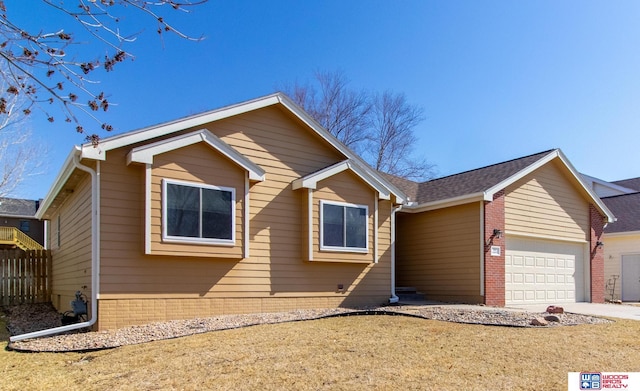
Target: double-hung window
[198, 213]
[343, 227]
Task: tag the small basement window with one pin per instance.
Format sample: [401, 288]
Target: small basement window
[198, 213]
[343, 227]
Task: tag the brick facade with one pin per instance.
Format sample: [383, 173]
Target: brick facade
[494, 266]
[596, 221]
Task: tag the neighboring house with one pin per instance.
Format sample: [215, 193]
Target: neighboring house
[256, 208]
[19, 228]
[622, 239]
[518, 232]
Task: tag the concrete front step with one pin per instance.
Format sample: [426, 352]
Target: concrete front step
[405, 293]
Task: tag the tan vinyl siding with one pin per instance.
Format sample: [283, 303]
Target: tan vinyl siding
[276, 275]
[615, 246]
[71, 266]
[344, 187]
[439, 253]
[545, 203]
[198, 164]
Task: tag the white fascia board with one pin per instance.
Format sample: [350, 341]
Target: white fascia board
[99, 152]
[489, 193]
[65, 172]
[556, 153]
[311, 181]
[454, 201]
[145, 154]
[592, 194]
[612, 186]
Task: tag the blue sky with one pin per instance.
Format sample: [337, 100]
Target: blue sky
[496, 79]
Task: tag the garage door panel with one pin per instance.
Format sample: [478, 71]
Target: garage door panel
[540, 271]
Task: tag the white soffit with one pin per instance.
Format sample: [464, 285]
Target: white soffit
[145, 154]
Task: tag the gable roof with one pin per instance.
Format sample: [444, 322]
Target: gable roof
[310, 181]
[99, 152]
[631, 183]
[626, 207]
[483, 183]
[17, 207]
[146, 153]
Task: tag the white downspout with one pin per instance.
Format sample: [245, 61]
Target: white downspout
[95, 259]
[393, 299]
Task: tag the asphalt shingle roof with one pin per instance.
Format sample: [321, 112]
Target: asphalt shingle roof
[626, 208]
[631, 183]
[17, 207]
[465, 183]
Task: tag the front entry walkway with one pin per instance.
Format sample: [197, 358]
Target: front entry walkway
[624, 311]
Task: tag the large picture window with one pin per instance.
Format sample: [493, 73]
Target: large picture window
[198, 213]
[343, 227]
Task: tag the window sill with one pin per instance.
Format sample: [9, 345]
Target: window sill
[345, 250]
[211, 242]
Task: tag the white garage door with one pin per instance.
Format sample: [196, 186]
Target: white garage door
[631, 277]
[544, 272]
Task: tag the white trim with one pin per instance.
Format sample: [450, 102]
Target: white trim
[144, 134]
[310, 222]
[311, 181]
[65, 172]
[343, 249]
[623, 190]
[98, 152]
[247, 219]
[482, 246]
[375, 229]
[446, 203]
[146, 153]
[556, 153]
[148, 172]
[197, 240]
[394, 298]
[544, 237]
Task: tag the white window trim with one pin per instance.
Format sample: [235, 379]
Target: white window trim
[180, 239]
[360, 250]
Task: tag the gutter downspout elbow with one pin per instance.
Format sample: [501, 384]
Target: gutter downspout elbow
[394, 298]
[95, 259]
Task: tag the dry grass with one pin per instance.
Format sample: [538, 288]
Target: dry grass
[363, 352]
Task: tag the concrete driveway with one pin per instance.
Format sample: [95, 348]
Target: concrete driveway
[623, 311]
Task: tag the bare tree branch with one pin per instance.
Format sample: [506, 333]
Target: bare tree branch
[341, 111]
[39, 67]
[392, 138]
[380, 127]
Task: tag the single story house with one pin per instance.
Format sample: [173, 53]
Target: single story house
[255, 207]
[622, 239]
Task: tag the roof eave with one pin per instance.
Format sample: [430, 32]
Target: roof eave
[62, 177]
[445, 203]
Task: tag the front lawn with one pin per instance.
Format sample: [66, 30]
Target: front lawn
[359, 352]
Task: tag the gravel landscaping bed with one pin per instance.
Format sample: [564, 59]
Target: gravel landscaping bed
[28, 318]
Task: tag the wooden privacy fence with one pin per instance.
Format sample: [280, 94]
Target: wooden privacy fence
[25, 276]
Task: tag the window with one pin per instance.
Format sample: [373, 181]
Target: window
[343, 227]
[24, 225]
[198, 213]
